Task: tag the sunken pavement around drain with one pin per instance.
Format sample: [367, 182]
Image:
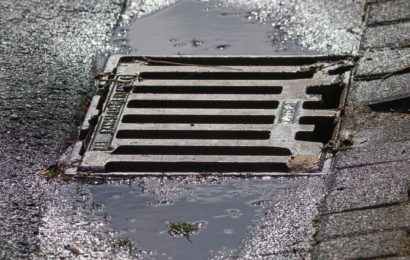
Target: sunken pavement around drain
[366, 212]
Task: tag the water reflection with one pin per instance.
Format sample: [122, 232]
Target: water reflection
[195, 27]
[143, 209]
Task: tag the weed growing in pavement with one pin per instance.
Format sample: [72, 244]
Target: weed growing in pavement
[183, 229]
[124, 243]
[55, 171]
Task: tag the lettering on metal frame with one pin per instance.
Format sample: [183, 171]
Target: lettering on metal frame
[111, 116]
[114, 107]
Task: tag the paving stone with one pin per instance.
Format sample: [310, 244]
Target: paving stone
[365, 246]
[392, 35]
[365, 196]
[384, 12]
[373, 154]
[380, 91]
[381, 62]
[361, 222]
[368, 186]
[372, 174]
[386, 133]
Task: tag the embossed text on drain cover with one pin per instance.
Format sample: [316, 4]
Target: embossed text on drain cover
[198, 114]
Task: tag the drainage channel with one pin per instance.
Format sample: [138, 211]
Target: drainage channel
[235, 115]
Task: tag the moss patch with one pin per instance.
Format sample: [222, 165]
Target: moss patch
[54, 172]
[124, 243]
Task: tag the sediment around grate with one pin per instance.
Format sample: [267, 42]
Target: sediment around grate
[204, 115]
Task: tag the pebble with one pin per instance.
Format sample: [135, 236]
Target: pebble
[346, 137]
[75, 249]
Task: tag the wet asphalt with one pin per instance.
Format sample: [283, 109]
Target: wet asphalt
[47, 50]
[48, 53]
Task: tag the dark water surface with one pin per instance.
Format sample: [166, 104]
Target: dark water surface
[142, 210]
[195, 27]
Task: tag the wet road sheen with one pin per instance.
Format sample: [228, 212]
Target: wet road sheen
[47, 52]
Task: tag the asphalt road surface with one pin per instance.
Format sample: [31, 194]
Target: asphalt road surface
[48, 53]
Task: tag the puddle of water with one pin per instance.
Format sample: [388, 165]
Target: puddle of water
[143, 209]
[201, 27]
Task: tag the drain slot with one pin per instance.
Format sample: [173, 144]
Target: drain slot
[196, 134]
[200, 167]
[206, 104]
[209, 90]
[322, 133]
[225, 75]
[232, 61]
[198, 119]
[203, 150]
[331, 95]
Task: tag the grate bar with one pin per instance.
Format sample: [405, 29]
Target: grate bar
[184, 114]
[203, 142]
[206, 69]
[196, 111]
[199, 158]
[298, 83]
[318, 113]
[238, 127]
[298, 145]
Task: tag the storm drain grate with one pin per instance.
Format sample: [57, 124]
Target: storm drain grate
[198, 114]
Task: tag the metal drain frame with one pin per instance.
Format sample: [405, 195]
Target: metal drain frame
[88, 154]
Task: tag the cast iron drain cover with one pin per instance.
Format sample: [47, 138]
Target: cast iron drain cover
[201, 114]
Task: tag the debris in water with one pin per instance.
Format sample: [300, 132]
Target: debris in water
[196, 43]
[303, 163]
[222, 47]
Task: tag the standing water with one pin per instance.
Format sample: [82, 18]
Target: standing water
[223, 208]
[202, 27]
[142, 210]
